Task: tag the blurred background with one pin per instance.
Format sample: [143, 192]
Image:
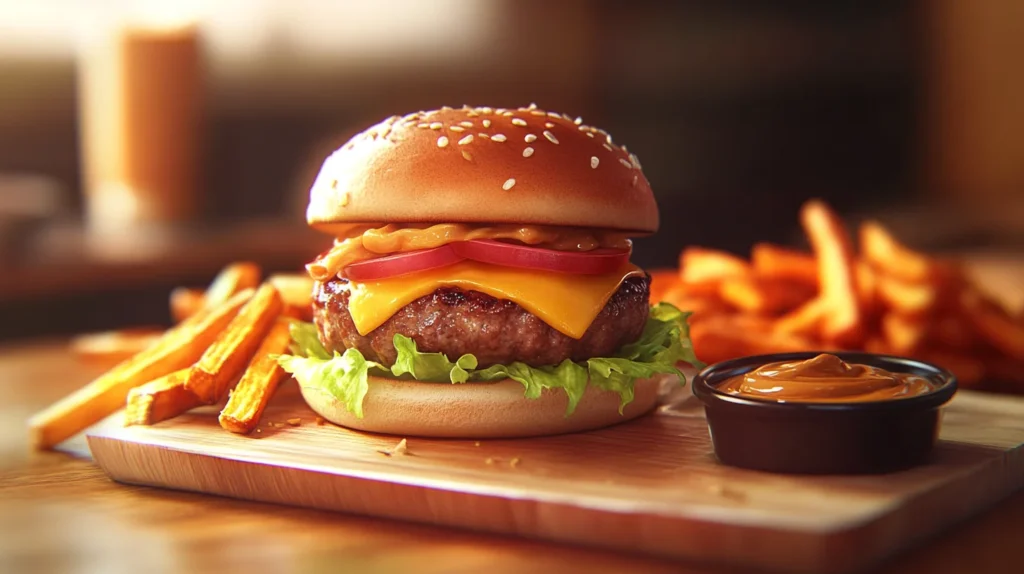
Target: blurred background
[143, 145]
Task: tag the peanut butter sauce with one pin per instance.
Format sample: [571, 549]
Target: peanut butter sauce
[825, 379]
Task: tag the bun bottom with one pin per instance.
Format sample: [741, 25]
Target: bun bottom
[481, 410]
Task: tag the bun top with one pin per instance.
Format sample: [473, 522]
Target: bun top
[483, 165]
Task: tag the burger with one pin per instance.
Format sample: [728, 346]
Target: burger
[480, 283]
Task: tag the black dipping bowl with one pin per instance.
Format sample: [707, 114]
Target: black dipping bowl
[823, 438]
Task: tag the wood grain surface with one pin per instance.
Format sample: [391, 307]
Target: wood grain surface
[651, 485]
[61, 513]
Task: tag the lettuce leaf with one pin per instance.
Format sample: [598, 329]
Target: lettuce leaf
[343, 376]
[664, 343]
[434, 367]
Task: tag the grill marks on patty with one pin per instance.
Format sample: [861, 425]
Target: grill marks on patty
[455, 321]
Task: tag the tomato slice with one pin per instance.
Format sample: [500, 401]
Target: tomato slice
[402, 263]
[593, 262]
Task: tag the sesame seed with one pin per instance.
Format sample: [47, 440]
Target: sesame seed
[533, 106]
[623, 146]
[584, 128]
[594, 162]
[446, 108]
[435, 126]
[632, 158]
[528, 152]
[530, 138]
[537, 113]
[590, 134]
[442, 141]
[578, 120]
[466, 124]
[608, 137]
[466, 139]
[483, 135]
[625, 163]
[423, 126]
[549, 125]
[606, 146]
[457, 128]
[466, 156]
[551, 137]
[635, 178]
[500, 111]
[487, 123]
[553, 115]
[507, 114]
[567, 117]
[498, 137]
[508, 183]
[518, 122]
[334, 184]
[486, 110]
[344, 199]
[472, 113]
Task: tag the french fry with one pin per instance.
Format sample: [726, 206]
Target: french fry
[842, 322]
[225, 358]
[296, 289]
[180, 346]
[906, 298]
[701, 289]
[662, 281]
[877, 344]
[773, 261]
[763, 296]
[699, 265]
[186, 302]
[887, 254]
[887, 299]
[700, 306]
[259, 382]
[804, 320]
[159, 400]
[232, 279]
[903, 333]
[722, 338]
[867, 286]
[111, 347]
[993, 323]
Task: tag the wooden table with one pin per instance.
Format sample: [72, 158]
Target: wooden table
[60, 513]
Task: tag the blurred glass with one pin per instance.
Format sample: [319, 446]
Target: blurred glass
[139, 121]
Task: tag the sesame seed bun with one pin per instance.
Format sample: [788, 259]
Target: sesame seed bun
[483, 165]
[481, 410]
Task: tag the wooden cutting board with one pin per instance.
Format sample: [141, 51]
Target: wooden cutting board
[650, 486]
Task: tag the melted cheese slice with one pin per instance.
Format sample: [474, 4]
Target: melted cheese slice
[569, 303]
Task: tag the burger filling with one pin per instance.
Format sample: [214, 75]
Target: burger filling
[548, 307]
[456, 322]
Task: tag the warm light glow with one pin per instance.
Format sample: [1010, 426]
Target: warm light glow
[440, 30]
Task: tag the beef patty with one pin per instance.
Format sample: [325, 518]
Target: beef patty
[454, 321]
